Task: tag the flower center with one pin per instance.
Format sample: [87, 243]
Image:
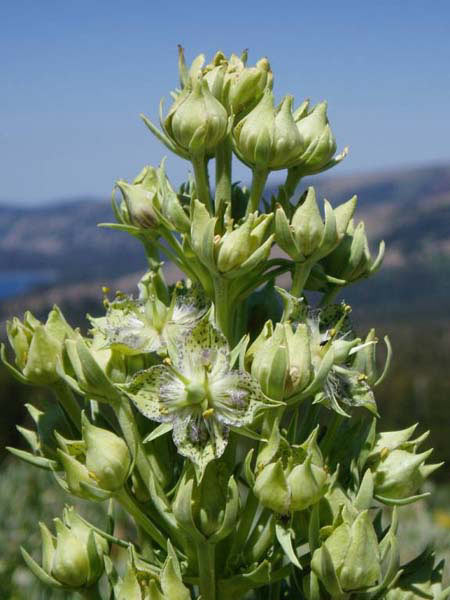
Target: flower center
[196, 393]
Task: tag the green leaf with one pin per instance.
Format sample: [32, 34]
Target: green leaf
[37, 461]
[39, 572]
[231, 514]
[284, 536]
[171, 581]
[157, 432]
[240, 584]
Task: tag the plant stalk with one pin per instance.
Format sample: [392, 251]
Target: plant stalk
[92, 593]
[207, 570]
[258, 182]
[68, 402]
[292, 180]
[222, 307]
[329, 296]
[141, 519]
[223, 174]
[299, 278]
[201, 181]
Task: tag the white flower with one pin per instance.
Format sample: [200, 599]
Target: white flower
[148, 325]
[198, 393]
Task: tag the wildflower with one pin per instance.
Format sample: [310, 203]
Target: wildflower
[198, 394]
[330, 329]
[148, 325]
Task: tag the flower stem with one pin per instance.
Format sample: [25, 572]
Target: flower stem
[223, 174]
[132, 437]
[245, 524]
[133, 509]
[258, 182]
[92, 593]
[329, 296]
[207, 570]
[328, 439]
[154, 263]
[292, 180]
[223, 307]
[201, 180]
[299, 278]
[68, 402]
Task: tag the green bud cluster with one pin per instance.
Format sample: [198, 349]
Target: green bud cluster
[73, 559]
[290, 479]
[234, 421]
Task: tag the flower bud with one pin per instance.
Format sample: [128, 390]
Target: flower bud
[272, 489]
[351, 259]
[141, 198]
[238, 245]
[399, 473]
[350, 558]
[267, 138]
[247, 85]
[74, 558]
[300, 367]
[308, 483]
[270, 364]
[76, 473]
[39, 347]
[197, 122]
[307, 237]
[236, 86]
[319, 144]
[170, 204]
[107, 456]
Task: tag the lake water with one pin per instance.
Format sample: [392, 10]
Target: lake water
[14, 283]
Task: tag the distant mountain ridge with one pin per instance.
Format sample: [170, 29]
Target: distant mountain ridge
[408, 208]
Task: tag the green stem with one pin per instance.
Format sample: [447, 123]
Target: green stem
[207, 570]
[68, 402]
[299, 278]
[141, 519]
[292, 180]
[176, 254]
[329, 296]
[223, 307]
[245, 524]
[170, 254]
[154, 263]
[275, 591]
[92, 593]
[330, 435]
[258, 182]
[147, 466]
[223, 174]
[133, 439]
[243, 291]
[309, 420]
[201, 180]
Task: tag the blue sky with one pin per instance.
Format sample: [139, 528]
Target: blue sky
[76, 75]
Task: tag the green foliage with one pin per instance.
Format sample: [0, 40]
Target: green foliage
[249, 460]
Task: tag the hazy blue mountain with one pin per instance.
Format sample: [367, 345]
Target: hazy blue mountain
[58, 244]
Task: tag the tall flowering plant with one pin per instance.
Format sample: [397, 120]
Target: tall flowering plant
[233, 420]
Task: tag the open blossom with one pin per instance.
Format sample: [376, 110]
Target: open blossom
[198, 394]
[330, 328]
[148, 325]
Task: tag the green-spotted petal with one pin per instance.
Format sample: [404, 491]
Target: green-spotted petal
[144, 391]
[201, 440]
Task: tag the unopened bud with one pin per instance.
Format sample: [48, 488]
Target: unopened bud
[107, 456]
